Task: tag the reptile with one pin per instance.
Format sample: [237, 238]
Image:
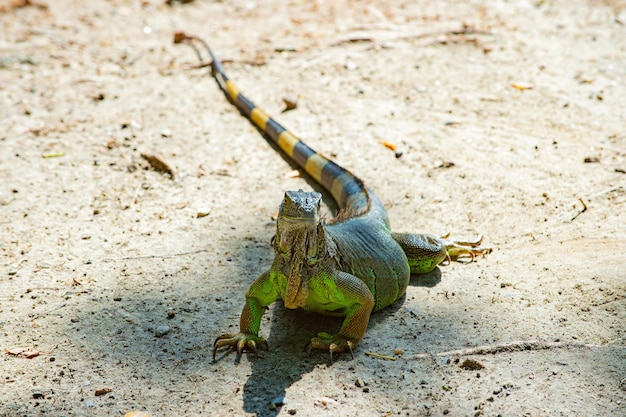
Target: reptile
[347, 267]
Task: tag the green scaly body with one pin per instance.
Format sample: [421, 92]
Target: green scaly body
[348, 267]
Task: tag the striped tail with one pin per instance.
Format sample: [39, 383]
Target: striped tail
[348, 191]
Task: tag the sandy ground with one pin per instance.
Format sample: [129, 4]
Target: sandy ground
[112, 288]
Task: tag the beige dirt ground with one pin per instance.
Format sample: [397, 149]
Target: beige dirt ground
[110, 280]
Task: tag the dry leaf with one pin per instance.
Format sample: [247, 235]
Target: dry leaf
[471, 365]
[136, 413]
[23, 352]
[102, 391]
[523, 86]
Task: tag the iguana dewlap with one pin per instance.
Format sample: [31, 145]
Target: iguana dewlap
[347, 267]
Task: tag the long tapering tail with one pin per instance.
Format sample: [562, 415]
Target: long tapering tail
[348, 191]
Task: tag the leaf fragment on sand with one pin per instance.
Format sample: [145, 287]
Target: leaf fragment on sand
[136, 413]
[379, 356]
[23, 352]
[102, 391]
[471, 365]
[158, 163]
[523, 86]
[389, 145]
[291, 102]
[203, 212]
[52, 155]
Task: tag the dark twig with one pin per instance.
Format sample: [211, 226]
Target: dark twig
[169, 255]
[516, 346]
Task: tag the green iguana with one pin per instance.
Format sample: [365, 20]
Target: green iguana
[347, 267]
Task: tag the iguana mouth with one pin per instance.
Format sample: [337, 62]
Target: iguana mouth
[296, 221]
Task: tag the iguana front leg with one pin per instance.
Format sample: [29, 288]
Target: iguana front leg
[358, 302]
[261, 294]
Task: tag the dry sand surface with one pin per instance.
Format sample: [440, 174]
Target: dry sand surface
[115, 278]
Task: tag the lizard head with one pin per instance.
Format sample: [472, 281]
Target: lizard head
[300, 233]
[300, 205]
[300, 242]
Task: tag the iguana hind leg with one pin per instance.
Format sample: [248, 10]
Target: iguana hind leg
[425, 252]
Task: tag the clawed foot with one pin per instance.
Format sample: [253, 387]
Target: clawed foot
[469, 248]
[240, 342]
[332, 344]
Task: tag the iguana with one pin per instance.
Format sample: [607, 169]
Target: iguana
[349, 266]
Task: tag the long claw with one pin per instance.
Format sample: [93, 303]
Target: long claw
[333, 344]
[350, 345]
[252, 347]
[240, 342]
[223, 340]
[463, 248]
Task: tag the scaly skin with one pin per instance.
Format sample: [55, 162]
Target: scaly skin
[348, 267]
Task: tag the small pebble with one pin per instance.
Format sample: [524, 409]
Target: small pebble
[166, 133]
[161, 331]
[350, 66]
[326, 402]
[278, 401]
